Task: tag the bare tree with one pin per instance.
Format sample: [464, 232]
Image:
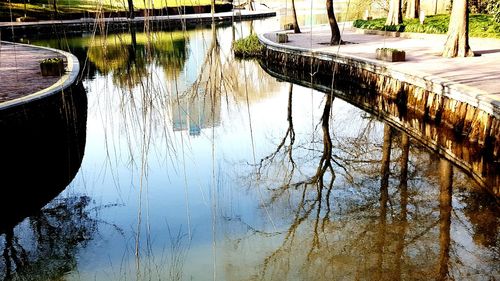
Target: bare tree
[395, 16]
[457, 43]
[336, 37]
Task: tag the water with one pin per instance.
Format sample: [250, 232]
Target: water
[197, 166]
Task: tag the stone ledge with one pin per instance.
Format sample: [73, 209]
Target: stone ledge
[438, 85]
[66, 80]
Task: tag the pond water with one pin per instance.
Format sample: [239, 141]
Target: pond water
[198, 166]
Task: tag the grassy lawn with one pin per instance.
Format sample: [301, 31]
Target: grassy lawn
[480, 25]
[77, 8]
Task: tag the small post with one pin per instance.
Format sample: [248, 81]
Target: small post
[422, 16]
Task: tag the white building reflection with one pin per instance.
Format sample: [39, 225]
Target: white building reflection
[194, 112]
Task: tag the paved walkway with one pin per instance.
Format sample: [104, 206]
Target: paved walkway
[237, 14]
[20, 73]
[480, 73]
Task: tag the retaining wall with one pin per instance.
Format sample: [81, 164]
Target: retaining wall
[444, 119]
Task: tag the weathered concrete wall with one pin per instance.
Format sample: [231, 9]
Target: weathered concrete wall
[466, 134]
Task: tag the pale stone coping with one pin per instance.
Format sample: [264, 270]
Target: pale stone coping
[64, 82]
[203, 16]
[453, 90]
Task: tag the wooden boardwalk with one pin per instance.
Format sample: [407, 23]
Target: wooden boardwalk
[20, 73]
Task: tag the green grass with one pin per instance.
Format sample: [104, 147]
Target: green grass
[139, 4]
[248, 47]
[43, 9]
[480, 25]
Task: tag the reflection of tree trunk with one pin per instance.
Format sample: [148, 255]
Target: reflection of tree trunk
[291, 130]
[384, 198]
[131, 14]
[287, 149]
[296, 27]
[386, 160]
[6, 257]
[325, 162]
[445, 184]
[403, 193]
[18, 257]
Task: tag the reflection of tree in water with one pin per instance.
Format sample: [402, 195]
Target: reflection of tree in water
[127, 56]
[44, 246]
[482, 211]
[384, 219]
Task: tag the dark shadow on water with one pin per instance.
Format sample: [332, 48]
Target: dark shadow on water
[42, 147]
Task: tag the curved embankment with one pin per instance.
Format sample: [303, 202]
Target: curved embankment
[42, 143]
[64, 82]
[462, 130]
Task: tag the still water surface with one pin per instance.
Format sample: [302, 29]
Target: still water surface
[198, 166]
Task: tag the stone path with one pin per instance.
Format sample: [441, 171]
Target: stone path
[20, 73]
[237, 14]
[481, 74]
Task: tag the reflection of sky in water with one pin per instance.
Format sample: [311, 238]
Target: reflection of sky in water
[159, 152]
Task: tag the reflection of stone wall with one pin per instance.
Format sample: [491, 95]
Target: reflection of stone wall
[195, 112]
[466, 135]
[42, 146]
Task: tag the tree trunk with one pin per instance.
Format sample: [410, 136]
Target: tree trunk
[296, 27]
[54, 3]
[336, 38]
[131, 9]
[457, 43]
[412, 9]
[394, 17]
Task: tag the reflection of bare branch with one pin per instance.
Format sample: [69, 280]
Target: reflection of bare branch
[288, 149]
[306, 206]
[325, 163]
[55, 234]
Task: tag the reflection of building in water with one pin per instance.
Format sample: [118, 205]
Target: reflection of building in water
[195, 112]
